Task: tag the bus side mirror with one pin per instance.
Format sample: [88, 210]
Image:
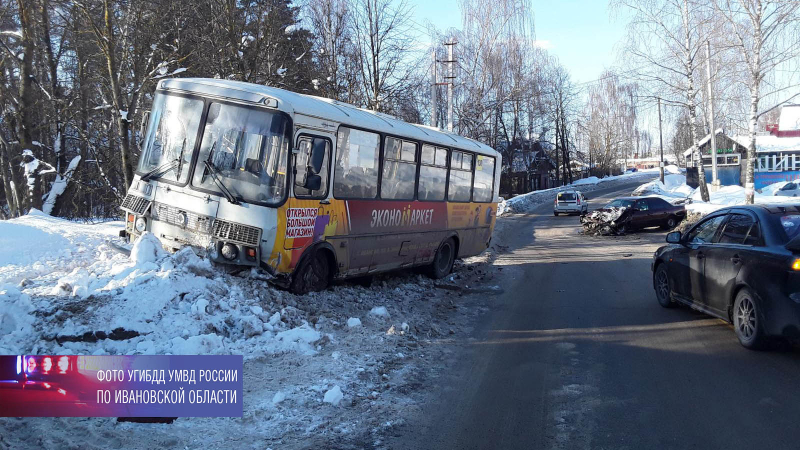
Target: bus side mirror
[313, 182]
[317, 157]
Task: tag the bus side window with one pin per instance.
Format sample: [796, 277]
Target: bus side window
[460, 177]
[432, 173]
[356, 174]
[483, 185]
[399, 169]
[309, 154]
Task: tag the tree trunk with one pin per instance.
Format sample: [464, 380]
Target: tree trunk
[690, 96]
[123, 126]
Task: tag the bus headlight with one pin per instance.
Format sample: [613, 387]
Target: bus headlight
[141, 224]
[229, 252]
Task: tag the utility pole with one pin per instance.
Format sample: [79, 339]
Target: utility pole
[714, 179]
[451, 76]
[660, 144]
[434, 104]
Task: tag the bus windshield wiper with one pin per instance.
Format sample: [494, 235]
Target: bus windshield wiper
[161, 169]
[213, 172]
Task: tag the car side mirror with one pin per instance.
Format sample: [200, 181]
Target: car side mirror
[674, 237]
[313, 182]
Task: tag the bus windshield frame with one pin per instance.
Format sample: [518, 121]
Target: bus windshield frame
[234, 132]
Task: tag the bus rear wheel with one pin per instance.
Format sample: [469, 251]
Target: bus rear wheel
[444, 259]
[313, 274]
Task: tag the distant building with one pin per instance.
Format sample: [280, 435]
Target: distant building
[777, 152]
[530, 168]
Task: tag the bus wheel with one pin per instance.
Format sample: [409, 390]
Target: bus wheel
[443, 261]
[313, 275]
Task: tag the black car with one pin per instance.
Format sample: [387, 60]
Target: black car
[643, 212]
[741, 264]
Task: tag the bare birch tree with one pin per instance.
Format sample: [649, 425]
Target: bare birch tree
[665, 42]
[765, 34]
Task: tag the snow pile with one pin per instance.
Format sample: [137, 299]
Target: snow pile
[63, 290]
[333, 396]
[585, 181]
[147, 249]
[673, 187]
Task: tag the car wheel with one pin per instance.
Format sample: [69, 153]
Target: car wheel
[747, 321]
[314, 274]
[670, 223]
[444, 259]
[662, 287]
[555, 213]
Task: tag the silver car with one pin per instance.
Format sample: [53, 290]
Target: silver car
[570, 202]
[790, 189]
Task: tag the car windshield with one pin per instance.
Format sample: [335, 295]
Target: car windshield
[618, 203]
[566, 196]
[171, 135]
[246, 150]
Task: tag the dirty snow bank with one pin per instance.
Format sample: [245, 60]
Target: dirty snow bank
[366, 349]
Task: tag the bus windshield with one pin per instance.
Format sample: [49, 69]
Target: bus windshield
[247, 151]
[167, 152]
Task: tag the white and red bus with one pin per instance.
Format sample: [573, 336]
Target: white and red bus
[307, 188]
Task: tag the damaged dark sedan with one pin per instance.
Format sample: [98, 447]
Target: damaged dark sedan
[626, 214]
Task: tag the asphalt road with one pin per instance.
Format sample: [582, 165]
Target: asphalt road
[577, 353]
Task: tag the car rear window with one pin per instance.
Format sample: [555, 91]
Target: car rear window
[620, 204]
[566, 196]
[791, 225]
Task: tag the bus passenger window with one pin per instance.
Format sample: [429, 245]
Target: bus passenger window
[399, 169]
[484, 179]
[303, 163]
[432, 173]
[460, 177]
[356, 174]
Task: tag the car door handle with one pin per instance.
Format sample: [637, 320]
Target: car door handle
[736, 260]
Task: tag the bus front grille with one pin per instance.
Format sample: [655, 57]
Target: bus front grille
[135, 204]
[234, 232]
[181, 218]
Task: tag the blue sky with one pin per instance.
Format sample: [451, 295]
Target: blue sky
[580, 33]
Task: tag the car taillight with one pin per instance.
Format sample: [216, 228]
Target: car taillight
[578, 199]
[796, 264]
[555, 202]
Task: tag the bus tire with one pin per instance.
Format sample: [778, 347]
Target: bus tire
[313, 274]
[443, 260]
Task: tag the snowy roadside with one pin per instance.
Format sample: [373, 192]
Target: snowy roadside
[338, 368]
[675, 188]
[527, 202]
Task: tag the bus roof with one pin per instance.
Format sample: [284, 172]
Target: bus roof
[324, 108]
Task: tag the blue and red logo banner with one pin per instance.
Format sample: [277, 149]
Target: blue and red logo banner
[121, 386]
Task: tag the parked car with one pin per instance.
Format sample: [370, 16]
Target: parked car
[741, 264]
[789, 189]
[570, 202]
[644, 212]
[632, 170]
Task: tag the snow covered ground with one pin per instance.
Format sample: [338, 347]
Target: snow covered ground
[675, 188]
[333, 369]
[526, 202]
